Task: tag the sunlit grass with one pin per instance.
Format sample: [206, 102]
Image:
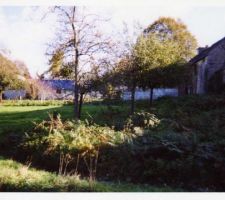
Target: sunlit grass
[19, 119]
[17, 177]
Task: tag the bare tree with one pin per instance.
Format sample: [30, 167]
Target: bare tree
[82, 43]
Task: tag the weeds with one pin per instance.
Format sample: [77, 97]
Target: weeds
[72, 141]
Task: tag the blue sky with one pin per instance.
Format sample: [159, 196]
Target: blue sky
[26, 36]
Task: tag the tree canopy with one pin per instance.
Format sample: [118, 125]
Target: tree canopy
[164, 44]
[10, 75]
[167, 29]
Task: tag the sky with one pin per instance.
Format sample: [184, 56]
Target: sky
[26, 36]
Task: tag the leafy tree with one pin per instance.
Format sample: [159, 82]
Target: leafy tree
[169, 29]
[22, 68]
[9, 75]
[165, 43]
[56, 64]
[127, 74]
[33, 88]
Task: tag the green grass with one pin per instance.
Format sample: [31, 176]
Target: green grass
[17, 177]
[19, 119]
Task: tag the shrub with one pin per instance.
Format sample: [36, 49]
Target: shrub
[72, 141]
[143, 120]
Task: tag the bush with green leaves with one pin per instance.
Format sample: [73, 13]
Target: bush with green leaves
[144, 120]
[72, 141]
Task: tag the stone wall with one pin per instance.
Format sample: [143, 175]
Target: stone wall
[206, 68]
[216, 60]
[201, 77]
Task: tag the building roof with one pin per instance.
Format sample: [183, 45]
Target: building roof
[204, 53]
[60, 84]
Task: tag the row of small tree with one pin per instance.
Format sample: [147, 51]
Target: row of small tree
[156, 58]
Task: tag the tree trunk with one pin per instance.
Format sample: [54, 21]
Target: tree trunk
[1, 92]
[132, 98]
[76, 101]
[151, 97]
[76, 64]
[80, 105]
[76, 87]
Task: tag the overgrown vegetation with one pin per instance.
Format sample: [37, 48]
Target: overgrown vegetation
[72, 142]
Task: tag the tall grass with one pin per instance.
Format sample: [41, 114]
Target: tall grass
[15, 177]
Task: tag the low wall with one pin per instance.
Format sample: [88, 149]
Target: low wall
[158, 92]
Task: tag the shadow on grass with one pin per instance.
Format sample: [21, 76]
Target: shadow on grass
[17, 120]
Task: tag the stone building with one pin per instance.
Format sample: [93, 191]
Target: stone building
[209, 69]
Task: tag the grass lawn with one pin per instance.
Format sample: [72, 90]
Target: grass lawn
[19, 119]
[17, 178]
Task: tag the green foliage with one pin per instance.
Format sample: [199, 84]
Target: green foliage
[164, 44]
[9, 75]
[110, 93]
[56, 64]
[58, 67]
[73, 136]
[22, 68]
[143, 120]
[169, 29]
[72, 140]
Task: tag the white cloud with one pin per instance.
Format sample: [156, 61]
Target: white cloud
[26, 37]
